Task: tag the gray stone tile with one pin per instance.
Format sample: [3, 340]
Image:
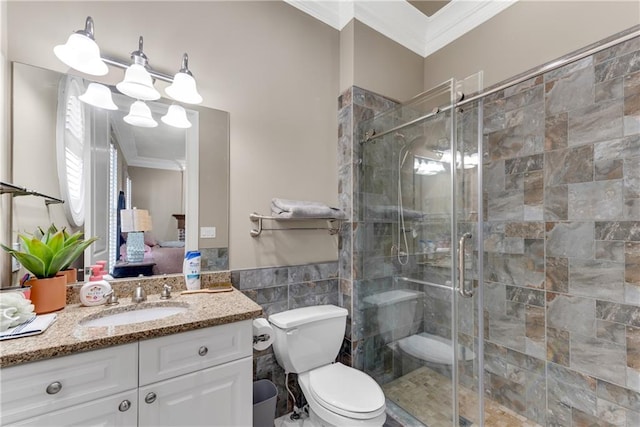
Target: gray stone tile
[556, 202]
[610, 250]
[596, 200]
[597, 278]
[611, 331]
[568, 166]
[632, 178]
[599, 122]
[524, 164]
[620, 313]
[599, 358]
[617, 230]
[570, 239]
[569, 92]
[571, 389]
[506, 205]
[622, 396]
[571, 313]
[617, 67]
[608, 90]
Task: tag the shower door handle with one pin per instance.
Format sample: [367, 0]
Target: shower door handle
[468, 293]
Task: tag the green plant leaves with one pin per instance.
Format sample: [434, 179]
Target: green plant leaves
[46, 253]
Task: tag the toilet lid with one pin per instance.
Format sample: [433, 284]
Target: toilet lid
[345, 390]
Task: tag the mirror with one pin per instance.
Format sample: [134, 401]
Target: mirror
[180, 176]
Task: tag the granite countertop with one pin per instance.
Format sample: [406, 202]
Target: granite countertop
[68, 336]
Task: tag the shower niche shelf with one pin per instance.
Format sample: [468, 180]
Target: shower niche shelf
[333, 224]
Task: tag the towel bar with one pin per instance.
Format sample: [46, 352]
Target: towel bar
[258, 218]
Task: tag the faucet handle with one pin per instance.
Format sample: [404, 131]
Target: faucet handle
[139, 295]
[111, 298]
[166, 292]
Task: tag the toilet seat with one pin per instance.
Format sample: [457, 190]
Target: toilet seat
[346, 391]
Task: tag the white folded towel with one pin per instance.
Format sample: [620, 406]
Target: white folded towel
[34, 326]
[284, 208]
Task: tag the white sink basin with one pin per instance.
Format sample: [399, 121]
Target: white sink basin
[142, 314]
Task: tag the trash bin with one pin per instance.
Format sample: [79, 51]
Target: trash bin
[265, 395]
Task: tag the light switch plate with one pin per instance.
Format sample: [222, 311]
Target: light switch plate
[207, 232]
[15, 265]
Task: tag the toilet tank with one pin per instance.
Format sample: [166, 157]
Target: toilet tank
[308, 337]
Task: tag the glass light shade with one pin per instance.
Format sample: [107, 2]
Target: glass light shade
[99, 96]
[140, 115]
[177, 117]
[183, 89]
[83, 54]
[138, 84]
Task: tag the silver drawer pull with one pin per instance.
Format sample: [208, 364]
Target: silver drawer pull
[124, 406]
[150, 397]
[202, 351]
[54, 387]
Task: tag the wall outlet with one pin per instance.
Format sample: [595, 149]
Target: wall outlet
[207, 232]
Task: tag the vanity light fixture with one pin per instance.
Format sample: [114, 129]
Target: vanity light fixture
[99, 96]
[177, 117]
[140, 115]
[183, 88]
[137, 81]
[81, 52]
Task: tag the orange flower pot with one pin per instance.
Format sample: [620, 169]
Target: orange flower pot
[71, 275]
[48, 295]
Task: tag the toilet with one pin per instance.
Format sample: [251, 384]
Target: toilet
[307, 342]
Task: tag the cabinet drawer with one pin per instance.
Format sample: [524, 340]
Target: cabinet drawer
[173, 355]
[109, 411]
[35, 388]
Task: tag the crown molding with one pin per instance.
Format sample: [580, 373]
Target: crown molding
[403, 23]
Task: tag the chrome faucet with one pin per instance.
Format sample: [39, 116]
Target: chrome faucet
[166, 292]
[139, 295]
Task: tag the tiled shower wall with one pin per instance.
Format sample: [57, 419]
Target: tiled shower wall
[562, 242]
[355, 106]
[278, 289]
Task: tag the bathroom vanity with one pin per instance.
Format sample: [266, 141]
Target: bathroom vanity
[192, 368]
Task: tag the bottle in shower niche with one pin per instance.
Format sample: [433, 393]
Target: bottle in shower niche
[191, 270]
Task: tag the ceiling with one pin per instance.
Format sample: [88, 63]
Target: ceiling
[423, 26]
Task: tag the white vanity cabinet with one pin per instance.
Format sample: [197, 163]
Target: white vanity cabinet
[200, 377]
[72, 388]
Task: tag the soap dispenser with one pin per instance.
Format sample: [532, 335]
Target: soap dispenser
[95, 290]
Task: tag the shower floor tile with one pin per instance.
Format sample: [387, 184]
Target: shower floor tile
[426, 394]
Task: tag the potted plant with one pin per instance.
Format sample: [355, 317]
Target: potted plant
[44, 255]
[71, 274]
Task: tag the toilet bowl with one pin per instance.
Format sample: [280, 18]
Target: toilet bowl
[307, 341]
[342, 396]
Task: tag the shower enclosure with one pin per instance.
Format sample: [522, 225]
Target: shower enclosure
[418, 212]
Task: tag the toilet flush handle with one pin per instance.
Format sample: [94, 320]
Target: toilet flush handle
[292, 331]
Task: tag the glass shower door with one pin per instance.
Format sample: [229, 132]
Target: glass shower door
[418, 198]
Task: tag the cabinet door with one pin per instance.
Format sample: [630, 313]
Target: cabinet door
[117, 410]
[218, 396]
